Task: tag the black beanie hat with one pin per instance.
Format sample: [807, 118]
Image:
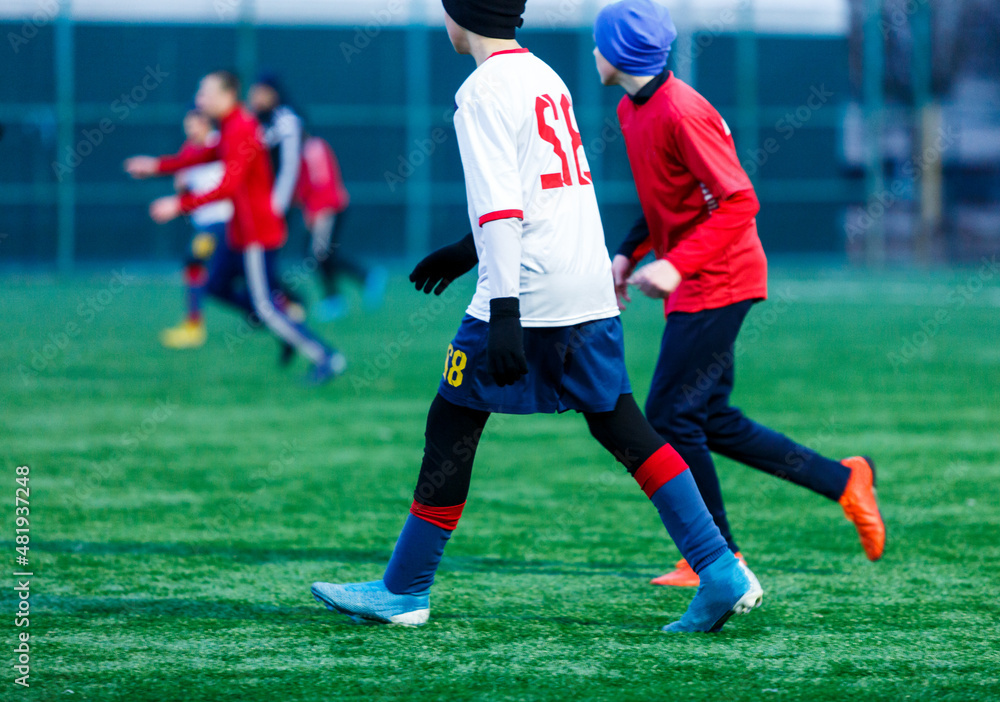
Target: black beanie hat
[496, 19]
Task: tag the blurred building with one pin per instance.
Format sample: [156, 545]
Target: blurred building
[930, 105]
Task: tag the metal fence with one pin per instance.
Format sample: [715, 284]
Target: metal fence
[77, 97]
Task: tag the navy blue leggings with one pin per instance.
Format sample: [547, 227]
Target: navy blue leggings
[688, 405]
[248, 280]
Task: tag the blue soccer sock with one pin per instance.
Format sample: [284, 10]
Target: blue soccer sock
[419, 548]
[195, 278]
[668, 483]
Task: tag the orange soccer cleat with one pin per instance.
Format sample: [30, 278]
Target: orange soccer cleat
[861, 507]
[683, 575]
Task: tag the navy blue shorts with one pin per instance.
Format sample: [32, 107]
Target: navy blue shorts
[581, 367]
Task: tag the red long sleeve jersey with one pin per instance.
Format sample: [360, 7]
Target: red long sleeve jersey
[697, 199]
[247, 182]
[321, 185]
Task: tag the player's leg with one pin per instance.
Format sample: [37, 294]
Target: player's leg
[321, 240]
[225, 281]
[593, 380]
[656, 466]
[727, 585]
[191, 332]
[677, 409]
[196, 273]
[851, 483]
[261, 277]
[402, 596]
[321, 243]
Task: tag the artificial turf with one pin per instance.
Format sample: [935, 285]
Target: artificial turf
[182, 503]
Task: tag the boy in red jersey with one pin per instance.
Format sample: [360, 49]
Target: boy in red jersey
[255, 233]
[699, 211]
[324, 200]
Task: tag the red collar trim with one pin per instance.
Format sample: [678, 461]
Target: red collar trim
[509, 51]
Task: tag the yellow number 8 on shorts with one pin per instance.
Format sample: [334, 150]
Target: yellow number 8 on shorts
[454, 364]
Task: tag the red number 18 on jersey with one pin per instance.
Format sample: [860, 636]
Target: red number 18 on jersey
[543, 104]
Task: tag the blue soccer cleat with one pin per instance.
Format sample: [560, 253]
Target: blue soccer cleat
[372, 602]
[727, 587]
[332, 367]
[331, 308]
[373, 293]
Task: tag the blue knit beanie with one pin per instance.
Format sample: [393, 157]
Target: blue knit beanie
[635, 36]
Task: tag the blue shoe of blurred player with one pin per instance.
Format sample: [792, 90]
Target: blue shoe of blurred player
[727, 587]
[372, 602]
[334, 366]
[374, 291]
[330, 309]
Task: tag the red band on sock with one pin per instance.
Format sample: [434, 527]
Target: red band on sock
[659, 469]
[194, 273]
[444, 517]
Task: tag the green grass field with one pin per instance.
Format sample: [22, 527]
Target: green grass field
[182, 503]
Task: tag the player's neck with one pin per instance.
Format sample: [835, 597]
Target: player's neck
[633, 84]
[229, 111]
[482, 48]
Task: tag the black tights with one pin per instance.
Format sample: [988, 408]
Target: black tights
[453, 433]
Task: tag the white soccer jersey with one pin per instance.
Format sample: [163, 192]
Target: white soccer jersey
[204, 179]
[523, 158]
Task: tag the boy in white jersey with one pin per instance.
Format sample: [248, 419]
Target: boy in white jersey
[542, 333]
[209, 223]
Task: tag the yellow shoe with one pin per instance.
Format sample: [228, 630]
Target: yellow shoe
[295, 312]
[186, 335]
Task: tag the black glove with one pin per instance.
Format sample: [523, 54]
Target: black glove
[444, 265]
[505, 358]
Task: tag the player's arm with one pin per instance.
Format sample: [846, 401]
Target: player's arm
[437, 270]
[289, 129]
[486, 139]
[636, 245]
[189, 155]
[236, 163]
[706, 151]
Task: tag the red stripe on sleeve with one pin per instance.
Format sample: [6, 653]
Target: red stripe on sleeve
[500, 214]
[659, 469]
[444, 517]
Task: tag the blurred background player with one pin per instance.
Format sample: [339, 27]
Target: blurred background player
[699, 211]
[324, 200]
[209, 223]
[244, 270]
[542, 333]
[283, 136]
[307, 172]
